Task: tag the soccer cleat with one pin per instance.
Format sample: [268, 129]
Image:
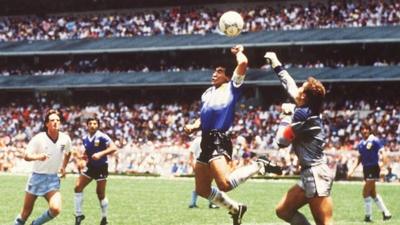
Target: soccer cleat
[213, 206]
[78, 219]
[386, 217]
[237, 217]
[103, 221]
[193, 206]
[268, 166]
[367, 219]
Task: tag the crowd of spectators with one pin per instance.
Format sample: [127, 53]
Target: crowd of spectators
[97, 65]
[199, 20]
[151, 139]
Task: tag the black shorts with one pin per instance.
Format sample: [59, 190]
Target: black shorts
[97, 173]
[215, 144]
[371, 172]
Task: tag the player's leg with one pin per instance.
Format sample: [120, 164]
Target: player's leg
[203, 178]
[193, 200]
[322, 210]
[54, 200]
[368, 191]
[82, 181]
[220, 170]
[379, 201]
[287, 208]
[101, 194]
[29, 202]
[227, 180]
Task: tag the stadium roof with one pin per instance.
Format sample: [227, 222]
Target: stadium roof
[389, 34]
[193, 78]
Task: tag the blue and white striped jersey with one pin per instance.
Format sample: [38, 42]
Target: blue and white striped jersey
[218, 107]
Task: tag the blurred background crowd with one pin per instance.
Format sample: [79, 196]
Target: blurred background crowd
[151, 140]
[203, 20]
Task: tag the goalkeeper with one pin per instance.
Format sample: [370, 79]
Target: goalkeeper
[301, 126]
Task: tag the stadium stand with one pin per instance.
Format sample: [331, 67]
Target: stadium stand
[145, 111]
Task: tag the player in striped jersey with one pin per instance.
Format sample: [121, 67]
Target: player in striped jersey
[50, 151]
[369, 149]
[302, 127]
[216, 117]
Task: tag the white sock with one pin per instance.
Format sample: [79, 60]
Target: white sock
[241, 174]
[104, 207]
[78, 203]
[381, 205]
[368, 206]
[221, 199]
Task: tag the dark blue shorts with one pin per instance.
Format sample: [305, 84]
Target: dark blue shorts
[371, 172]
[96, 173]
[213, 145]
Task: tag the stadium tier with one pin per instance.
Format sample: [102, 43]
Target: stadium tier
[255, 78]
[334, 36]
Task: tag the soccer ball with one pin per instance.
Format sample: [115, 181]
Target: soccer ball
[231, 23]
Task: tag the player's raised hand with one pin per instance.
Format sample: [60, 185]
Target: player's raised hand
[272, 59]
[236, 49]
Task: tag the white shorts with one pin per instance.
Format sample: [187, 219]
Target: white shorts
[41, 184]
[316, 181]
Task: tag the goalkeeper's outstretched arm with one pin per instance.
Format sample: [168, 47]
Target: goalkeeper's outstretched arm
[286, 80]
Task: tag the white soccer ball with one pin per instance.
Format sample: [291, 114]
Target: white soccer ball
[231, 23]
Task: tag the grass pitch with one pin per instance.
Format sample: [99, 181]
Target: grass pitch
[158, 201]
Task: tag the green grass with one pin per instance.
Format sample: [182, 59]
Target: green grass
[158, 201]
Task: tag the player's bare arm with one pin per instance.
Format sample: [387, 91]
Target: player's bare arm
[190, 128]
[110, 150]
[350, 174]
[67, 156]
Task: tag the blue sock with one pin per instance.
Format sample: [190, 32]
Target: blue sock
[194, 198]
[45, 217]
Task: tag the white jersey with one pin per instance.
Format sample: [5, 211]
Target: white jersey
[42, 143]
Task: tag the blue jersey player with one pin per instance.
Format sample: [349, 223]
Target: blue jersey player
[97, 146]
[368, 149]
[301, 126]
[216, 117]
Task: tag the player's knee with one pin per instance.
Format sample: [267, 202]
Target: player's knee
[203, 192]
[55, 210]
[78, 189]
[282, 213]
[224, 186]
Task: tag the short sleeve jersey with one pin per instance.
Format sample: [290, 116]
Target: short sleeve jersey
[42, 143]
[218, 107]
[96, 143]
[369, 150]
